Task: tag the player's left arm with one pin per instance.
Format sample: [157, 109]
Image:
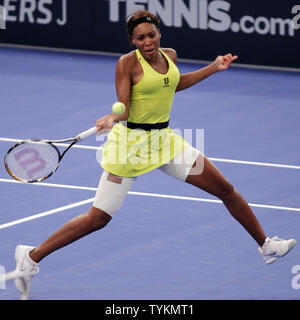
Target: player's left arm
[188, 80]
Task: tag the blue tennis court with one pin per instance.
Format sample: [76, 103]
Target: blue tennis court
[169, 240]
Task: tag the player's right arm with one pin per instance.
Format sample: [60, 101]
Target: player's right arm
[123, 89]
[123, 78]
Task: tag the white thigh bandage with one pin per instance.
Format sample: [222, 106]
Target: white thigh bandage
[182, 165]
[111, 194]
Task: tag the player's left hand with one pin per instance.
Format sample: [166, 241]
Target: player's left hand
[223, 62]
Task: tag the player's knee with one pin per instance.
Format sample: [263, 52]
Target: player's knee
[227, 192]
[98, 219]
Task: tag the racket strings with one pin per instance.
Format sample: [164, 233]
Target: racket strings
[31, 161]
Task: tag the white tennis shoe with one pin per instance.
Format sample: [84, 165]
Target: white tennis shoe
[275, 247]
[27, 268]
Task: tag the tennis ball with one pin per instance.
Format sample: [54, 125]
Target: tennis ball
[118, 108]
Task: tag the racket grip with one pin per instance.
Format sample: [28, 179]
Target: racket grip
[83, 135]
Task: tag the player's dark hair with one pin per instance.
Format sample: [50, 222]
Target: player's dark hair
[140, 17]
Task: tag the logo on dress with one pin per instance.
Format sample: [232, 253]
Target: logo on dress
[166, 82]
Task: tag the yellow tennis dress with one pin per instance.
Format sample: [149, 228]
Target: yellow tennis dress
[132, 152]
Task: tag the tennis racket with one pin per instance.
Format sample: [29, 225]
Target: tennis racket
[35, 160]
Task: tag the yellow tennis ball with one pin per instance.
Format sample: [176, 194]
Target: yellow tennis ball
[118, 108]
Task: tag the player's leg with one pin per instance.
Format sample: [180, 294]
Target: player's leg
[28, 257]
[194, 168]
[76, 228]
[110, 195]
[213, 181]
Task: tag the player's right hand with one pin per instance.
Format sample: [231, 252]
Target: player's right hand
[106, 122]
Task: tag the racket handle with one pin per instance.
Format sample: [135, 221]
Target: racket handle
[83, 135]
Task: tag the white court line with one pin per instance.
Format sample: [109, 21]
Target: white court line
[46, 213]
[254, 163]
[157, 195]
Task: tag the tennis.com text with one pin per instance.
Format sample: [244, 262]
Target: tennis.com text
[214, 15]
[151, 309]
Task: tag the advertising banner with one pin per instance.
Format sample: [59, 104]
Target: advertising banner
[260, 32]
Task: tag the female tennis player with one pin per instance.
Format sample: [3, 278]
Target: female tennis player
[146, 81]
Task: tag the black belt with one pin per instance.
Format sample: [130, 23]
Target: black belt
[147, 126]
